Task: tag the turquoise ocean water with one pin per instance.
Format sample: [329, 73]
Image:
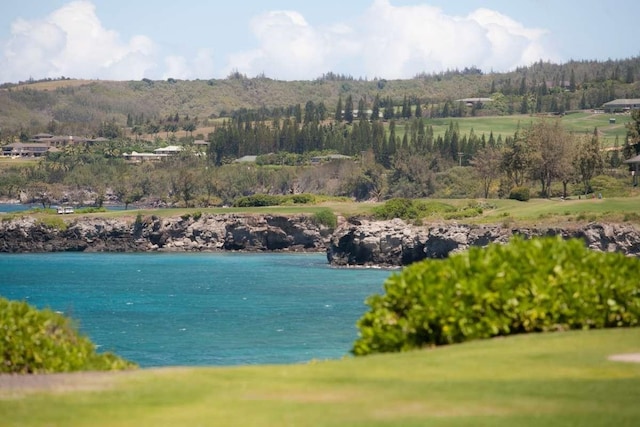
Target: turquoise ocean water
[199, 309]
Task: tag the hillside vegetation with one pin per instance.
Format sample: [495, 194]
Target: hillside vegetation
[533, 132]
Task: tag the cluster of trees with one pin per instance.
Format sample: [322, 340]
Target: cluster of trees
[381, 165]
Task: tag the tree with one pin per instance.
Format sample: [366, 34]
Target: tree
[486, 162]
[550, 155]
[348, 109]
[375, 111]
[588, 160]
[418, 110]
[515, 160]
[633, 131]
[186, 185]
[572, 81]
[338, 115]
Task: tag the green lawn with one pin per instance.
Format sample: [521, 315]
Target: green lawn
[554, 379]
[543, 212]
[581, 122]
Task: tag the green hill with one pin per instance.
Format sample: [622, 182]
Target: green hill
[79, 106]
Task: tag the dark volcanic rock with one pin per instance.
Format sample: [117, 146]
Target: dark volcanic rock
[207, 233]
[396, 243]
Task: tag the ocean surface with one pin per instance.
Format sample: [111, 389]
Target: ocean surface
[199, 309]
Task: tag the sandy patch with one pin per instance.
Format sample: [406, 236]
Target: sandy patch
[629, 357]
[12, 386]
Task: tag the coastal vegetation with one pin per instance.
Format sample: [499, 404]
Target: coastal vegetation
[42, 341]
[524, 286]
[459, 134]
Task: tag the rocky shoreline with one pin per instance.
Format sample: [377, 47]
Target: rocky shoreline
[395, 243]
[353, 243]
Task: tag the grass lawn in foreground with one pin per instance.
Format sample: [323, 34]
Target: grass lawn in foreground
[553, 379]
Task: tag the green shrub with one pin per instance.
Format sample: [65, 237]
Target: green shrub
[40, 341]
[54, 222]
[408, 209]
[524, 286]
[197, 215]
[520, 193]
[302, 199]
[90, 209]
[470, 212]
[326, 217]
[396, 208]
[257, 200]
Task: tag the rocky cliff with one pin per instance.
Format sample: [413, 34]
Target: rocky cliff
[396, 243]
[204, 233]
[353, 243]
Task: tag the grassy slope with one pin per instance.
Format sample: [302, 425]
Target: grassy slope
[579, 122]
[540, 212]
[554, 379]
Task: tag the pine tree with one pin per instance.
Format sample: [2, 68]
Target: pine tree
[375, 111]
[418, 109]
[348, 109]
[572, 81]
[338, 115]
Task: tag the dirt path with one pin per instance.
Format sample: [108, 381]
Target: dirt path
[20, 385]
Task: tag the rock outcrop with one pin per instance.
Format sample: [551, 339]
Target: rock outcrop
[396, 243]
[206, 233]
[354, 243]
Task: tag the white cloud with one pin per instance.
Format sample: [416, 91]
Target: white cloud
[386, 41]
[290, 48]
[390, 42]
[71, 41]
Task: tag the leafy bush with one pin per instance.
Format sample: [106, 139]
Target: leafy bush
[409, 209]
[520, 193]
[326, 217]
[302, 198]
[524, 286]
[40, 341]
[470, 212]
[91, 209]
[396, 208]
[54, 222]
[258, 200]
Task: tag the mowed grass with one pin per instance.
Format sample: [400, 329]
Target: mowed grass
[553, 211]
[578, 122]
[552, 379]
[539, 212]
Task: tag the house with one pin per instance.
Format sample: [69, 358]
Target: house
[171, 150]
[621, 105]
[135, 157]
[470, 102]
[634, 163]
[158, 154]
[26, 149]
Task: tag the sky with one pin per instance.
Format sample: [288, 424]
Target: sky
[302, 40]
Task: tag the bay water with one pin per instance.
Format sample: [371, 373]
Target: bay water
[179, 309]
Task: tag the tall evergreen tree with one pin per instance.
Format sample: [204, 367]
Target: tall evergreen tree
[339, 108]
[348, 109]
[375, 110]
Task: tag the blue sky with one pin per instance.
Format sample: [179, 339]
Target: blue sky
[291, 40]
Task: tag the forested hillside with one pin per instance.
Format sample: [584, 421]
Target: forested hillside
[80, 107]
[532, 132]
